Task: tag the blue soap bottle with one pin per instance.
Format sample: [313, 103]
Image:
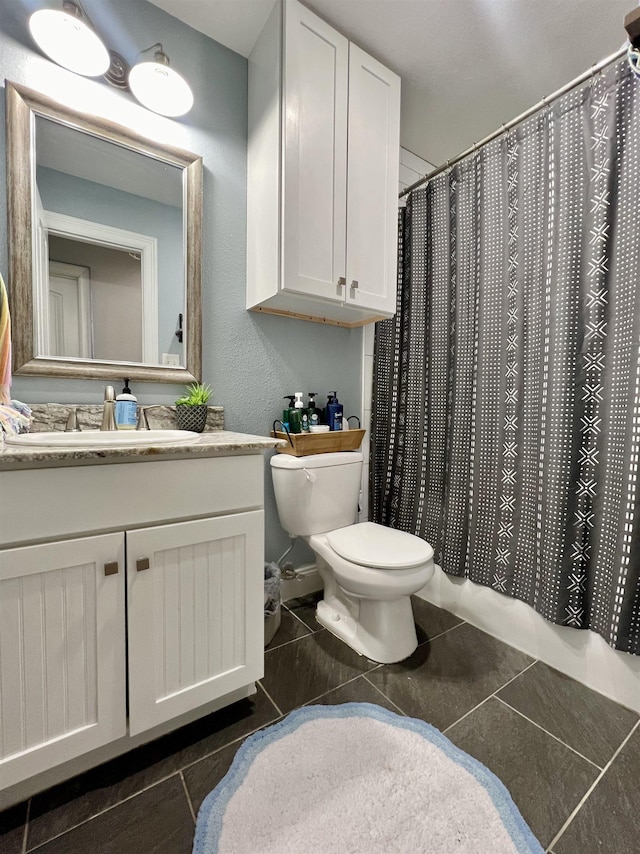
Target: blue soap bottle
[126, 409]
[334, 412]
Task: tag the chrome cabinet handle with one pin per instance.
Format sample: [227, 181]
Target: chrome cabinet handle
[111, 568]
[142, 563]
[354, 283]
[342, 281]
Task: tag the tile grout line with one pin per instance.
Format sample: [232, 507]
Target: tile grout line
[440, 634]
[292, 640]
[300, 620]
[388, 699]
[188, 797]
[324, 694]
[105, 810]
[25, 834]
[174, 773]
[555, 737]
[587, 794]
[482, 702]
[277, 707]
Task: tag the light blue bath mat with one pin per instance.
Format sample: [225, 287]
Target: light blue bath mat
[357, 779]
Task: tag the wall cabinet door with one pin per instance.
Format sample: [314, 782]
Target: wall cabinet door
[315, 154]
[62, 652]
[195, 614]
[323, 162]
[372, 195]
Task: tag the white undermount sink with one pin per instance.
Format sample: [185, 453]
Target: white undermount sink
[102, 438]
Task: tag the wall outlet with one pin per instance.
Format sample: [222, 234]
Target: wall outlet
[171, 359]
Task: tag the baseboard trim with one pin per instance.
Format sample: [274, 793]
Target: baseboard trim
[307, 581]
[583, 655]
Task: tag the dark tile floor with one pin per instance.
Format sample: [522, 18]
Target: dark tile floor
[569, 756]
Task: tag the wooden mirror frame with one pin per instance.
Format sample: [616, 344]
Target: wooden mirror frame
[22, 106]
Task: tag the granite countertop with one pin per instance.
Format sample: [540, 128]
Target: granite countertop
[48, 417]
[210, 443]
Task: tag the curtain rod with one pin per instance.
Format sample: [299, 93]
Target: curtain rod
[496, 133]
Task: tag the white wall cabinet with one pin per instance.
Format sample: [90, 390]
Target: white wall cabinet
[323, 155]
[81, 673]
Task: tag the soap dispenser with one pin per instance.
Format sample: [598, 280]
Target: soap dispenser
[293, 413]
[285, 412]
[126, 409]
[334, 412]
[315, 414]
[303, 415]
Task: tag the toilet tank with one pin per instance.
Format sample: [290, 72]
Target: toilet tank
[316, 493]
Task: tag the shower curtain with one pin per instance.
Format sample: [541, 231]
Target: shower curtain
[506, 410]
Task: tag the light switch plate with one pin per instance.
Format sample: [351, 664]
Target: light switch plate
[171, 359]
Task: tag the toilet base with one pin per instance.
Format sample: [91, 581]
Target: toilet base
[382, 630]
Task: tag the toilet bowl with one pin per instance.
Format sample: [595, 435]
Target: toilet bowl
[369, 571]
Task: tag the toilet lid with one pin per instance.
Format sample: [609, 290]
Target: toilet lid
[369, 544]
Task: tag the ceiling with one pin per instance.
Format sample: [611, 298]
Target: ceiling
[467, 66]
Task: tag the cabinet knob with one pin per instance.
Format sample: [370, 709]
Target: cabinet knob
[111, 568]
[342, 281]
[354, 283]
[142, 563]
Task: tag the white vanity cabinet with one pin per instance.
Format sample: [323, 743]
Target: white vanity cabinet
[62, 652]
[323, 160]
[195, 614]
[110, 639]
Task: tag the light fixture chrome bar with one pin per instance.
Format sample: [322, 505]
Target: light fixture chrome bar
[595, 69]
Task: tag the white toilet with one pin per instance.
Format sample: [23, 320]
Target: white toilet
[369, 571]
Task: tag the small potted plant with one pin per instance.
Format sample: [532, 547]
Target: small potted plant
[191, 408]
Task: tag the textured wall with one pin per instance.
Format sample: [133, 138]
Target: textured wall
[250, 360]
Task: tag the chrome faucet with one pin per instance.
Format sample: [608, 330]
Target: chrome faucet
[109, 409]
[72, 421]
[143, 421]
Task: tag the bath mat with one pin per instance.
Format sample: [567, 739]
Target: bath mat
[357, 778]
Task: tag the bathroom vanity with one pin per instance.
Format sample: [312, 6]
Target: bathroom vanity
[131, 597]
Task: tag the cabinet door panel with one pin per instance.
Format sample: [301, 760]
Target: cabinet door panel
[315, 134]
[62, 656]
[195, 616]
[372, 195]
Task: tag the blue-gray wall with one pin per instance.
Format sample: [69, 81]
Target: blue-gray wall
[251, 360]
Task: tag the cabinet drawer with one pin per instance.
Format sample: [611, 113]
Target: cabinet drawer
[52, 503]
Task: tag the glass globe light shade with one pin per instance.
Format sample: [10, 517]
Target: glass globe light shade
[159, 88]
[69, 42]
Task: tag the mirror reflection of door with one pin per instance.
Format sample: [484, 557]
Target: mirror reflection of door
[70, 332]
[115, 302]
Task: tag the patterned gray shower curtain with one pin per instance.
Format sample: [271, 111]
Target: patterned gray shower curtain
[506, 411]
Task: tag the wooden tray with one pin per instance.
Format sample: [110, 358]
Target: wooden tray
[319, 443]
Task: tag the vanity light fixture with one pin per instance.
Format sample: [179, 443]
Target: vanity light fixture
[67, 37]
[158, 87]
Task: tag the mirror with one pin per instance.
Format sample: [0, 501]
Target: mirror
[104, 247]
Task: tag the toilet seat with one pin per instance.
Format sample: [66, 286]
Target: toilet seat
[371, 580]
[371, 545]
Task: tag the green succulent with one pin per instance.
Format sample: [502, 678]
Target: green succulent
[197, 394]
